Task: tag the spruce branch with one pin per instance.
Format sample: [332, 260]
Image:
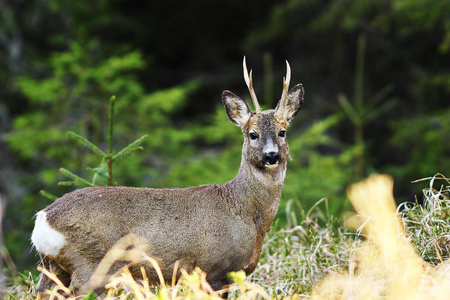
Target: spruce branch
[112, 101]
[67, 183]
[48, 195]
[87, 143]
[77, 179]
[133, 147]
[105, 168]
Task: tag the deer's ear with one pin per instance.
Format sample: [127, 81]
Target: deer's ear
[294, 102]
[237, 109]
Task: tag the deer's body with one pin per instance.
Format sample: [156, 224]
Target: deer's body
[218, 228]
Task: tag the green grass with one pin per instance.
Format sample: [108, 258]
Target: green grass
[294, 259]
[301, 259]
[429, 224]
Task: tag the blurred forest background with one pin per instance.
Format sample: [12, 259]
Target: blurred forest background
[376, 75]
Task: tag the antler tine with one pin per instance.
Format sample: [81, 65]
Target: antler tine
[249, 82]
[288, 74]
[286, 81]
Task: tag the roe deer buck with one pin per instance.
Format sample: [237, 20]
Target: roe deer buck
[218, 228]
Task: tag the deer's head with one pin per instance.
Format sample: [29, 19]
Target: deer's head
[265, 145]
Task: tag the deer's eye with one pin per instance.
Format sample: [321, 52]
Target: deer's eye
[254, 135]
[282, 133]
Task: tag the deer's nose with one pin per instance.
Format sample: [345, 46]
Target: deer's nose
[271, 158]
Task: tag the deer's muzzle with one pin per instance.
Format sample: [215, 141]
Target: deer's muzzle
[271, 159]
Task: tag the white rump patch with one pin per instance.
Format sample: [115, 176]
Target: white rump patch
[45, 239]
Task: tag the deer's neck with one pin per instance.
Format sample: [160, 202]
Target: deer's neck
[258, 192]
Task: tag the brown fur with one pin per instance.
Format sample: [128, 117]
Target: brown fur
[218, 228]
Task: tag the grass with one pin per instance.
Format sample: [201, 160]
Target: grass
[386, 265]
[428, 224]
[294, 259]
[380, 253]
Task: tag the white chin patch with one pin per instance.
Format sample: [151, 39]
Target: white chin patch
[269, 166]
[45, 239]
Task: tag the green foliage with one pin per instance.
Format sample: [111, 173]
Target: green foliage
[424, 14]
[219, 163]
[311, 173]
[105, 168]
[70, 100]
[361, 113]
[424, 140]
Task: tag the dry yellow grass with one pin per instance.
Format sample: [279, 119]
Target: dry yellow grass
[122, 285]
[386, 265]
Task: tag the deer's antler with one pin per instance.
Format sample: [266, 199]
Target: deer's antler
[286, 80]
[249, 82]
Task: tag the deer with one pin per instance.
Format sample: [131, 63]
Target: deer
[217, 228]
